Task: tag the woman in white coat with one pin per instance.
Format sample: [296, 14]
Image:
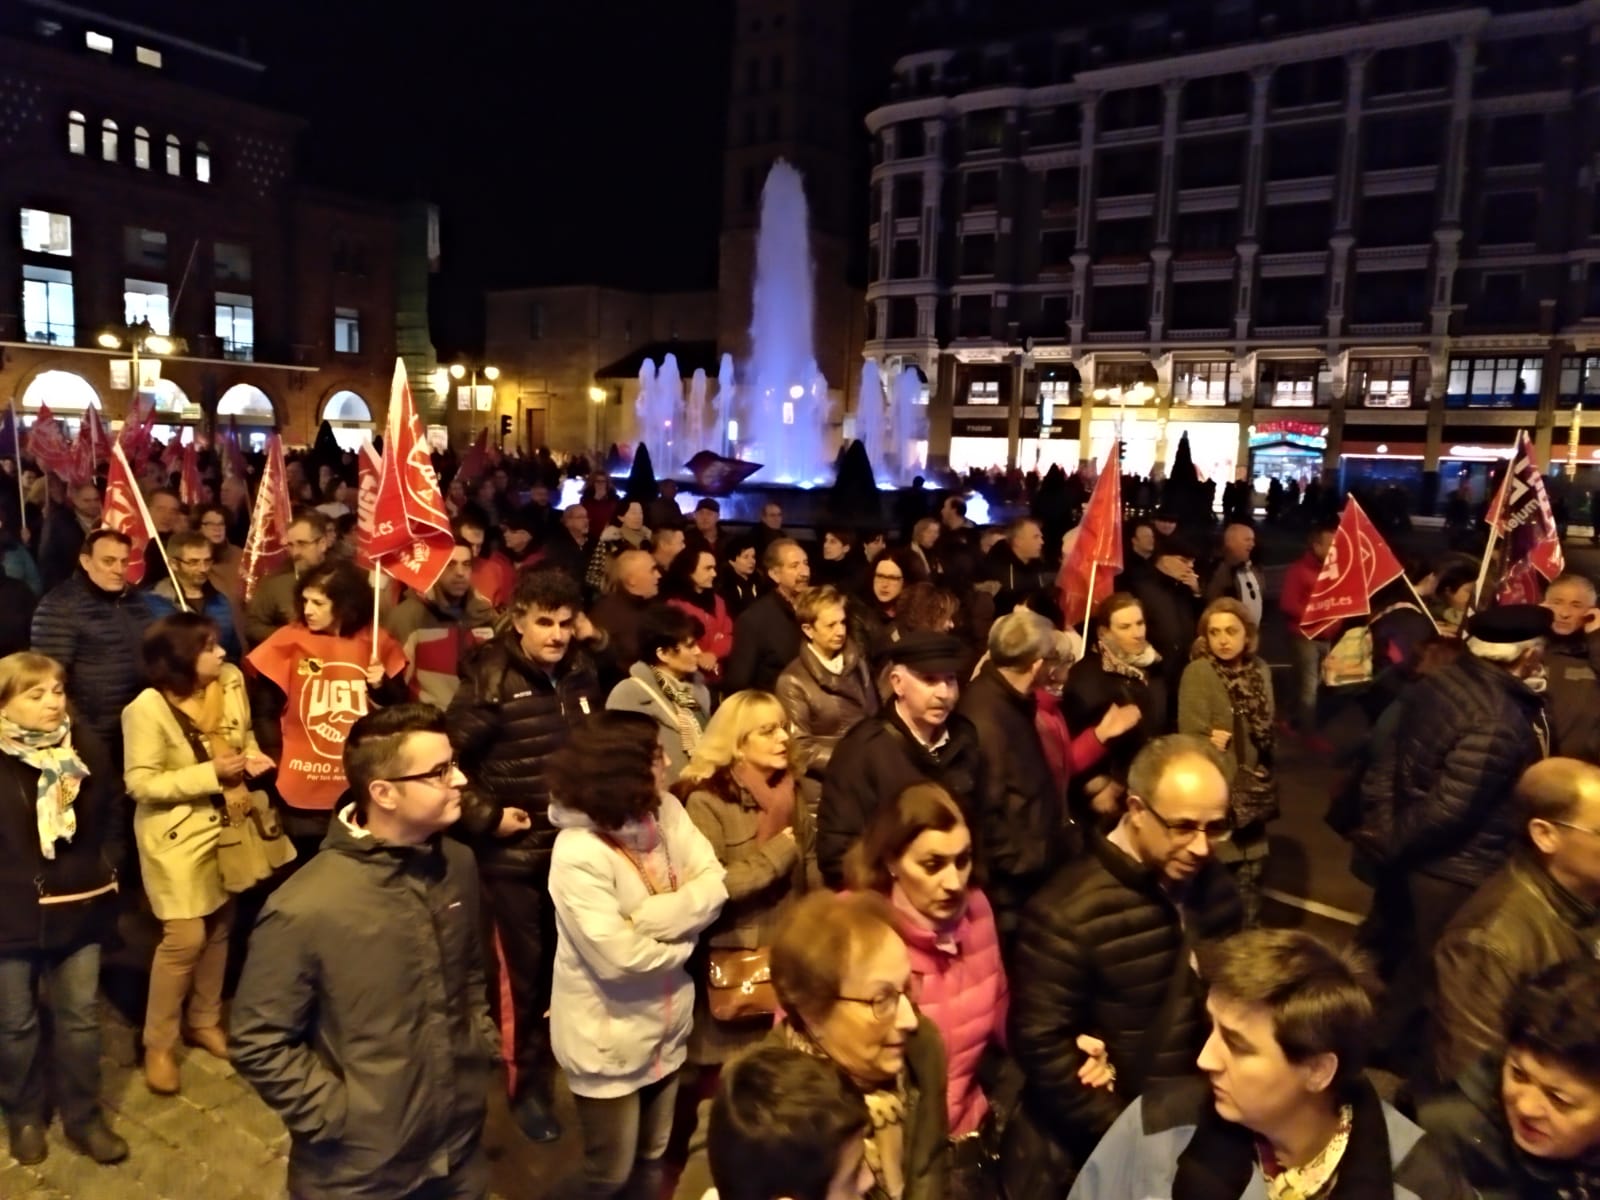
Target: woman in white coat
[633, 883]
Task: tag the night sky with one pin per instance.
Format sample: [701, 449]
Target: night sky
[564, 140]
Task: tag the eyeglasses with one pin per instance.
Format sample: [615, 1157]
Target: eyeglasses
[1187, 831]
[1579, 828]
[440, 775]
[884, 1005]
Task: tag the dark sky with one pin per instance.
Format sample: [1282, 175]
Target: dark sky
[564, 140]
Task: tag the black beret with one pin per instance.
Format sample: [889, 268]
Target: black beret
[929, 653]
[1511, 623]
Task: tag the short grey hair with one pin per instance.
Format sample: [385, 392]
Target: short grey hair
[1020, 638]
[1151, 764]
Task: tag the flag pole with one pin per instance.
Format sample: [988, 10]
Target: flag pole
[144, 515]
[1494, 526]
[1088, 608]
[22, 495]
[377, 581]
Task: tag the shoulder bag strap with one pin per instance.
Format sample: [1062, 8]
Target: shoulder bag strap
[1177, 986]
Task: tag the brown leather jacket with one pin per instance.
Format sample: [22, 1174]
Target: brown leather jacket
[822, 706]
[1514, 926]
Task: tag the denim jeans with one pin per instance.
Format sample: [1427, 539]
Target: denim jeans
[74, 983]
[1308, 658]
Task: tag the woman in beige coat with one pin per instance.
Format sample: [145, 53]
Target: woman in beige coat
[187, 737]
[744, 791]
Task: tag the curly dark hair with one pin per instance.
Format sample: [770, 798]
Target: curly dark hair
[665, 626]
[546, 589]
[347, 590]
[606, 770]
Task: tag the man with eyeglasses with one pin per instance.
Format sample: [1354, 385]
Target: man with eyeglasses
[190, 556]
[1104, 997]
[1541, 908]
[272, 607]
[361, 1018]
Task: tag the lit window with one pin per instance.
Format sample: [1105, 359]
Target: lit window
[47, 314]
[148, 57]
[146, 300]
[174, 155]
[983, 391]
[98, 41]
[77, 139]
[346, 331]
[236, 325]
[202, 162]
[46, 232]
[108, 140]
[141, 147]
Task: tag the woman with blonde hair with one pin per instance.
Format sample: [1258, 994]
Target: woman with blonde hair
[745, 792]
[1226, 697]
[60, 840]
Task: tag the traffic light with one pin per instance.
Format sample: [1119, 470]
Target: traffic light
[505, 426]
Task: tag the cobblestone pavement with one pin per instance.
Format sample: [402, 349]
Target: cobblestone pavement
[217, 1141]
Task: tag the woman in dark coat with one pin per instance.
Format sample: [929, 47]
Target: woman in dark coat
[60, 839]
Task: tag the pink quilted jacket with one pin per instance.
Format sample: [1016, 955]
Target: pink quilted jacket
[962, 989]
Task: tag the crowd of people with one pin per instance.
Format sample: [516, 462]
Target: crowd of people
[815, 868]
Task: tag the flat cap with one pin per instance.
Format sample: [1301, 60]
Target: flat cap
[1511, 623]
[930, 653]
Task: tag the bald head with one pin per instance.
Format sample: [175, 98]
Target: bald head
[636, 573]
[1560, 797]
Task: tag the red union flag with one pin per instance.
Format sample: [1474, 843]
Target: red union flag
[189, 478]
[371, 470]
[1089, 571]
[267, 544]
[1359, 563]
[411, 537]
[125, 512]
[50, 447]
[1522, 519]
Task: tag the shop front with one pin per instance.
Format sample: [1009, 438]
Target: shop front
[1285, 451]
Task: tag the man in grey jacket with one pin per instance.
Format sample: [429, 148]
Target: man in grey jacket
[362, 1017]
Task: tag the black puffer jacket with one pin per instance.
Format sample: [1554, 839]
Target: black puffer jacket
[95, 635]
[86, 863]
[1095, 953]
[1437, 799]
[1022, 813]
[506, 720]
[875, 762]
[1091, 690]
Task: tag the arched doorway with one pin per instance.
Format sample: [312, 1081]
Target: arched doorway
[67, 394]
[249, 407]
[176, 415]
[350, 418]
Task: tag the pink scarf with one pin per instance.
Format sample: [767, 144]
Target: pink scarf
[775, 796]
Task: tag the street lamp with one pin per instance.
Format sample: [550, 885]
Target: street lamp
[460, 371]
[135, 338]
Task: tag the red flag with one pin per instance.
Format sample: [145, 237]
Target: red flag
[476, 460]
[1521, 517]
[189, 480]
[171, 457]
[1089, 571]
[371, 471]
[1358, 565]
[95, 442]
[266, 545]
[49, 445]
[136, 433]
[125, 512]
[232, 455]
[411, 536]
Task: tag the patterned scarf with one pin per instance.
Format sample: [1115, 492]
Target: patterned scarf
[61, 773]
[1317, 1177]
[1248, 695]
[1132, 668]
[685, 708]
[888, 1107]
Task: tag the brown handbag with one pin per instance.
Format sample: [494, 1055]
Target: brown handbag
[739, 984]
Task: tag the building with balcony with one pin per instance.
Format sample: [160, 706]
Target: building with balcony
[1356, 237]
[143, 187]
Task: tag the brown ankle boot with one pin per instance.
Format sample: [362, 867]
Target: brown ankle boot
[211, 1039]
[161, 1072]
